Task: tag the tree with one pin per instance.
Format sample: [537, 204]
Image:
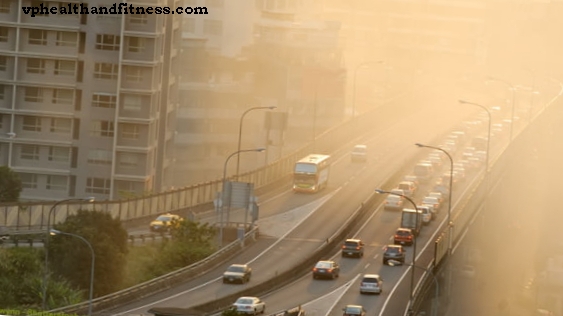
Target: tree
[71, 258]
[10, 185]
[190, 242]
[21, 281]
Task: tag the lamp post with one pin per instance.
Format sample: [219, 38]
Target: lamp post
[92, 264]
[224, 187]
[46, 245]
[513, 90]
[488, 133]
[354, 82]
[240, 129]
[379, 191]
[436, 283]
[449, 193]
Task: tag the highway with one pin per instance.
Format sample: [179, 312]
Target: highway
[391, 145]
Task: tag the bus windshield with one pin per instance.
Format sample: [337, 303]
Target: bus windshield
[305, 168]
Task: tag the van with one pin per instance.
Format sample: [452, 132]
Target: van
[359, 153]
[424, 171]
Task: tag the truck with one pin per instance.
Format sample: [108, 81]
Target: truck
[409, 219]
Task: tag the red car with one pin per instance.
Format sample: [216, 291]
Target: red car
[403, 236]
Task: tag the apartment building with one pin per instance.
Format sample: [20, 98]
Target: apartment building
[87, 102]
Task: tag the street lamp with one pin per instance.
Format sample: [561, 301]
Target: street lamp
[354, 83]
[224, 187]
[56, 232]
[450, 193]
[379, 191]
[513, 90]
[240, 129]
[489, 132]
[46, 245]
[436, 283]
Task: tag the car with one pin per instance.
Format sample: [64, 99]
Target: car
[432, 201]
[164, 222]
[394, 252]
[438, 195]
[354, 310]
[426, 212]
[403, 236]
[394, 202]
[371, 283]
[239, 273]
[359, 153]
[411, 178]
[353, 248]
[249, 305]
[423, 171]
[326, 269]
[408, 187]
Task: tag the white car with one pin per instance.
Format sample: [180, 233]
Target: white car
[250, 305]
[432, 201]
[426, 212]
[359, 153]
[371, 283]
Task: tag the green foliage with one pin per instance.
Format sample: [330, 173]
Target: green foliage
[10, 185]
[21, 280]
[190, 242]
[230, 312]
[71, 257]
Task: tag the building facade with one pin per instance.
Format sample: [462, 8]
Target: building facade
[87, 102]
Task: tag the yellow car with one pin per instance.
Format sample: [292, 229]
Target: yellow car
[163, 222]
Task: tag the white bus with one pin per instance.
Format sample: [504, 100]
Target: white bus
[311, 173]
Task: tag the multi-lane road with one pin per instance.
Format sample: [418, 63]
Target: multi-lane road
[391, 145]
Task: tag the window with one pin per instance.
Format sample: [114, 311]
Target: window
[35, 66]
[37, 37]
[4, 31]
[105, 71]
[2, 91]
[33, 94]
[31, 123]
[61, 125]
[107, 42]
[29, 180]
[30, 152]
[138, 18]
[130, 131]
[132, 102]
[1, 120]
[98, 185]
[188, 25]
[59, 154]
[102, 100]
[212, 27]
[65, 67]
[3, 63]
[63, 96]
[67, 39]
[128, 160]
[100, 157]
[5, 6]
[133, 74]
[136, 44]
[57, 183]
[102, 128]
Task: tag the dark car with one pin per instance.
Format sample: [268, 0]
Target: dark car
[239, 273]
[353, 248]
[403, 236]
[394, 252]
[326, 269]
